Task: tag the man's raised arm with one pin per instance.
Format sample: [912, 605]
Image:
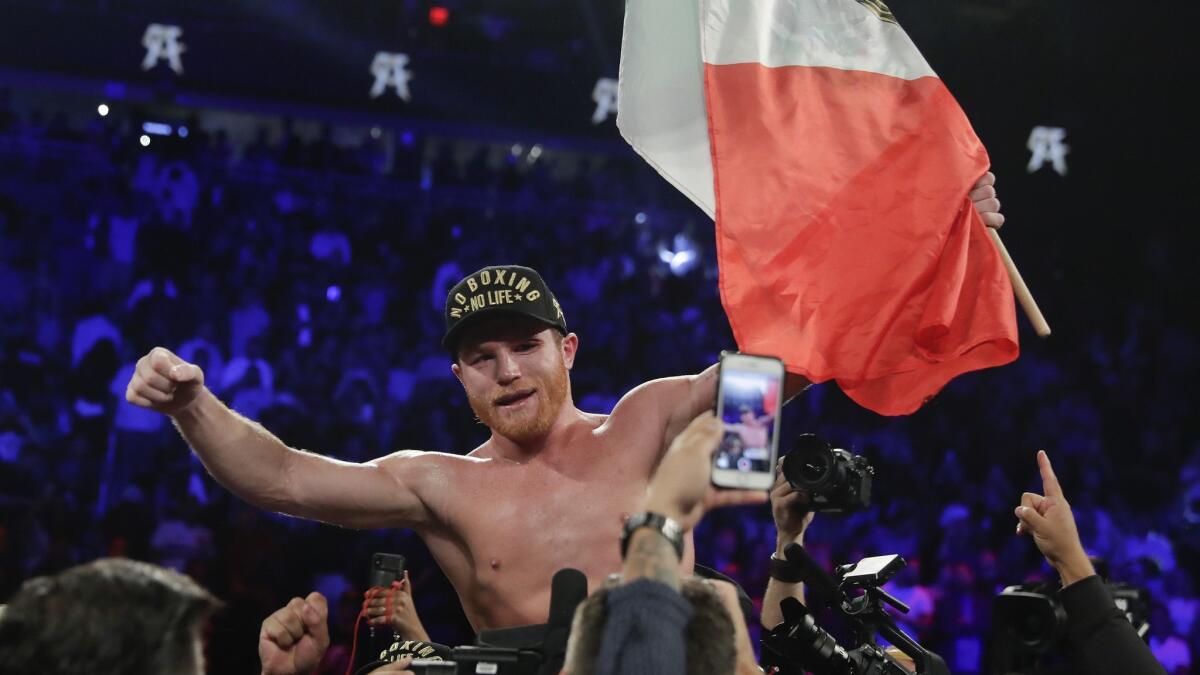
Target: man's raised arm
[683, 398]
[258, 467]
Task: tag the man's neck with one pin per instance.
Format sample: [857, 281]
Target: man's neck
[556, 439]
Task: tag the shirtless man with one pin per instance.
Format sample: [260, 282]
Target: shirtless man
[549, 489]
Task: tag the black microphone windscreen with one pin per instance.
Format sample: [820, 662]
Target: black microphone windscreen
[810, 570]
[568, 588]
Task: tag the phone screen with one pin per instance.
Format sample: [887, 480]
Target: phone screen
[749, 404]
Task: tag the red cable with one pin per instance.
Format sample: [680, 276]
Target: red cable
[354, 644]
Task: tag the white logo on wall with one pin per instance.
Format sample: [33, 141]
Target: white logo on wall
[389, 71]
[605, 96]
[162, 42]
[1046, 145]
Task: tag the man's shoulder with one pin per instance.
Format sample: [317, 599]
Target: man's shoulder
[664, 395]
[433, 459]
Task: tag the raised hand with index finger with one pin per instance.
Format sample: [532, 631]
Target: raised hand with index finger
[1048, 519]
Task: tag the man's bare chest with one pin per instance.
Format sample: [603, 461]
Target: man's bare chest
[510, 507]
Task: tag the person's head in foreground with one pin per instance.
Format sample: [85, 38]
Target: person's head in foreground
[709, 636]
[112, 616]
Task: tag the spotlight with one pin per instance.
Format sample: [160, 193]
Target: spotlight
[438, 16]
[102, 109]
[144, 140]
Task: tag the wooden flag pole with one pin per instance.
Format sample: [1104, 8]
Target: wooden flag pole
[1020, 289]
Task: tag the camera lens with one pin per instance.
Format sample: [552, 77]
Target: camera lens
[810, 464]
[1031, 628]
[814, 467]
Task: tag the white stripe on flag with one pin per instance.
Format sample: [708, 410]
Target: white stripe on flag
[842, 34]
[660, 101]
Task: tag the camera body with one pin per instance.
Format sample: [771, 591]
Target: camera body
[492, 660]
[837, 481]
[1029, 623]
[467, 660]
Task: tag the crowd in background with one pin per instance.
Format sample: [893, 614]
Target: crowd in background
[305, 275]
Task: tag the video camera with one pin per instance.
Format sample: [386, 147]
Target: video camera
[836, 480]
[799, 645]
[1029, 623]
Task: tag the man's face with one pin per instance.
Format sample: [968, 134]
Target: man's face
[514, 371]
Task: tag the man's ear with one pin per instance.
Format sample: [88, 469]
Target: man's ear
[570, 346]
[457, 370]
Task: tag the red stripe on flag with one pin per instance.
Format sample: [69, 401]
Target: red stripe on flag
[847, 244]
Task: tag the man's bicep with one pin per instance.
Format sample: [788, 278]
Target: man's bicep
[698, 393]
[380, 493]
[664, 408]
[671, 403]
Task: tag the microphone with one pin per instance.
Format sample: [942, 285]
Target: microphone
[568, 588]
[810, 571]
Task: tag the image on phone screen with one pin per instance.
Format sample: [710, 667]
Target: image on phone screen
[749, 404]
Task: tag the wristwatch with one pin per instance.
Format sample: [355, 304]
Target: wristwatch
[655, 521]
[783, 570]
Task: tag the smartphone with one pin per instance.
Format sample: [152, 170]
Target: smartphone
[386, 568]
[749, 398]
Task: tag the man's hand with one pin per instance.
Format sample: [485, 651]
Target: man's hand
[164, 382]
[294, 638]
[1049, 519]
[789, 506]
[403, 613]
[682, 487]
[983, 193]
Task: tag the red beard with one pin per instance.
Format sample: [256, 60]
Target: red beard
[527, 425]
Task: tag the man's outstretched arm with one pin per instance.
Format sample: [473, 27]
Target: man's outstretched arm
[259, 468]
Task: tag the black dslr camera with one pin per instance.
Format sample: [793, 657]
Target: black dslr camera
[837, 481]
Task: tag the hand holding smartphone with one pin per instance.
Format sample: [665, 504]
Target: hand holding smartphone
[749, 398]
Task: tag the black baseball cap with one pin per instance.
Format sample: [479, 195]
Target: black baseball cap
[498, 290]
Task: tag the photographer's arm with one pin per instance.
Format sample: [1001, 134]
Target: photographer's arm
[258, 467]
[792, 518]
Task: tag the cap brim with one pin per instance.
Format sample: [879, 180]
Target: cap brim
[450, 339]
